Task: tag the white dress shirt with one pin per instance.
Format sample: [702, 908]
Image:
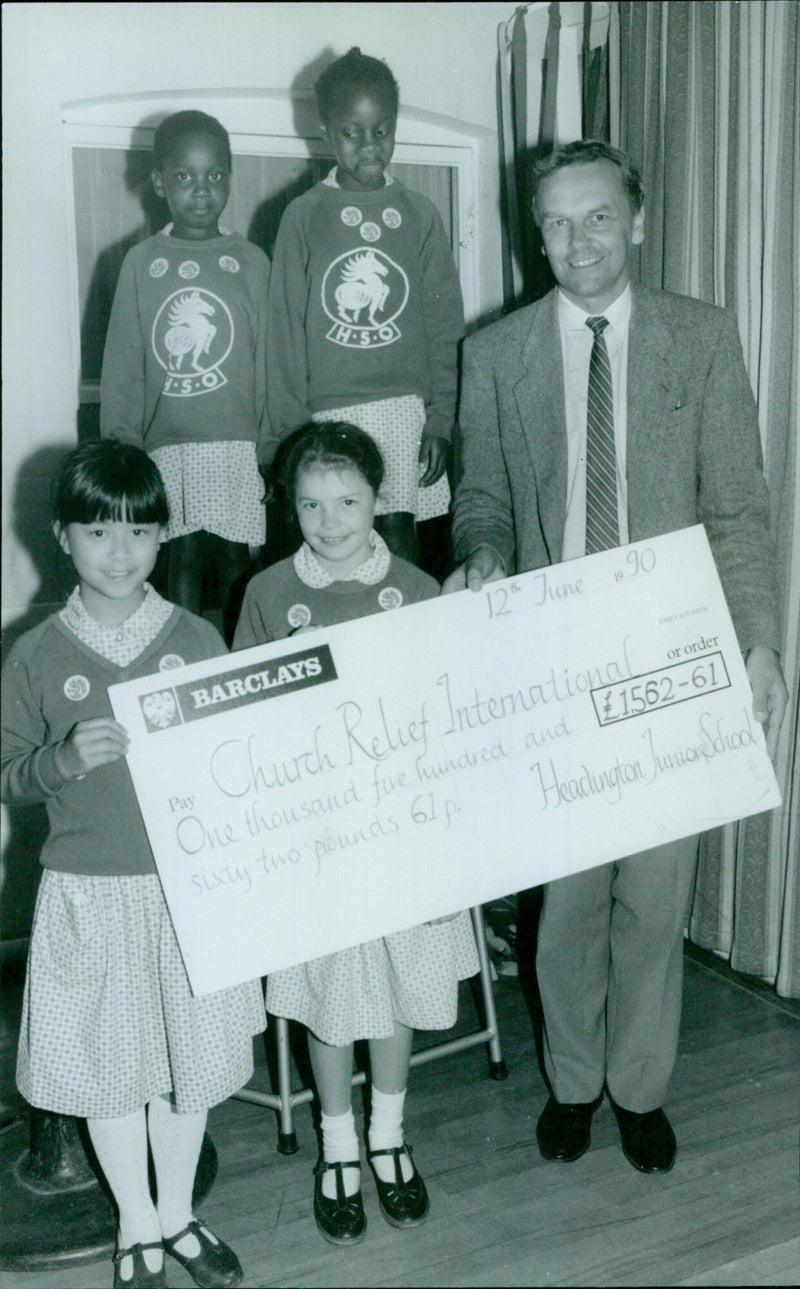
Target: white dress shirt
[576, 349]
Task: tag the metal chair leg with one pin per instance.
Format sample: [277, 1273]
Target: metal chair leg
[287, 1137]
[497, 1066]
[285, 1100]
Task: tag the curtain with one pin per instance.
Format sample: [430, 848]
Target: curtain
[557, 81]
[710, 112]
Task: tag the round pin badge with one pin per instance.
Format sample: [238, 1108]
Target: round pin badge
[370, 232]
[229, 264]
[390, 598]
[159, 267]
[299, 615]
[351, 216]
[391, 217]
[170, 661]
[189, 269]
[76, 688]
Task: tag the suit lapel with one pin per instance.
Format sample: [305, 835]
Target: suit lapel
[539, 395]
[654, 389]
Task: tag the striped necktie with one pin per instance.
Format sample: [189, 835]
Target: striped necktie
[602, 521]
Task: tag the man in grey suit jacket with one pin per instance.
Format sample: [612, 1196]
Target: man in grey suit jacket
[686, 441]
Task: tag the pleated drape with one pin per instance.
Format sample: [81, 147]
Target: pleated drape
[710, 111]
[555, 84]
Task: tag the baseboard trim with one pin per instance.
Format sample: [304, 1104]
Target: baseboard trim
[749, 984]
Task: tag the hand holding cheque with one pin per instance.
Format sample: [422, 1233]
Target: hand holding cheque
[593, 709]
[769, 693]
[483, 565]
[763, 666]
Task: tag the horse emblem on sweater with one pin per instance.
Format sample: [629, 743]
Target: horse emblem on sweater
[361, 287]
[189, 329]
[188, 345]
[363, 293]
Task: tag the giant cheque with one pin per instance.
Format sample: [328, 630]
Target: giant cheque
[325, 789]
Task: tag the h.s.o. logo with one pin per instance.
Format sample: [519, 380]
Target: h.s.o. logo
[363, 293]
[192, 337]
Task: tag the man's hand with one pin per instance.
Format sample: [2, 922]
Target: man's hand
[769, 693]
[433, 452]
[483, 565]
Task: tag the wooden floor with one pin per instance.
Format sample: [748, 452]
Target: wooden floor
[728, 1214]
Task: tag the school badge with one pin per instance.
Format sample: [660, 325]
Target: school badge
[170, 661]
[299, 615]
[192, 336]
[390, 598]
[363, 293]
[76, 688]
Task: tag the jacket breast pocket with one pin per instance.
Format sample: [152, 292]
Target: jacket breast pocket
[679, 430]
[686, 416]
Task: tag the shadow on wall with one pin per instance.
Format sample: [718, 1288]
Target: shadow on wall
[95, 204]
[28, 824]
[31, 525]
[524, 243]
[263, 228]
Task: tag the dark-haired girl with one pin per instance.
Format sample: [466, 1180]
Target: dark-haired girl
[110, 1031]
[184, 369]
[365, 309]
[331, 474]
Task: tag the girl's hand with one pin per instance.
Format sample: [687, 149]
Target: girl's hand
[433, 450]
[89, 744]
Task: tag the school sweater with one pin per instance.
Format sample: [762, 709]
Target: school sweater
[51, 680]
[276, 602]
[364, 304]
[185, 355]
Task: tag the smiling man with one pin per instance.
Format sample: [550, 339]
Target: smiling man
[607, 413]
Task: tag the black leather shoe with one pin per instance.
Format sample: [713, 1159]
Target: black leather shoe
[403, 1203]
[564, 1131]
[141, 1276]
[341, 1220]
[648, 1141]
[215, 1267]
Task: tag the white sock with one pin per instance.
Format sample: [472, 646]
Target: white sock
[175, 1140]
[340, 1145]
[386, 1132]
[121, 1148]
